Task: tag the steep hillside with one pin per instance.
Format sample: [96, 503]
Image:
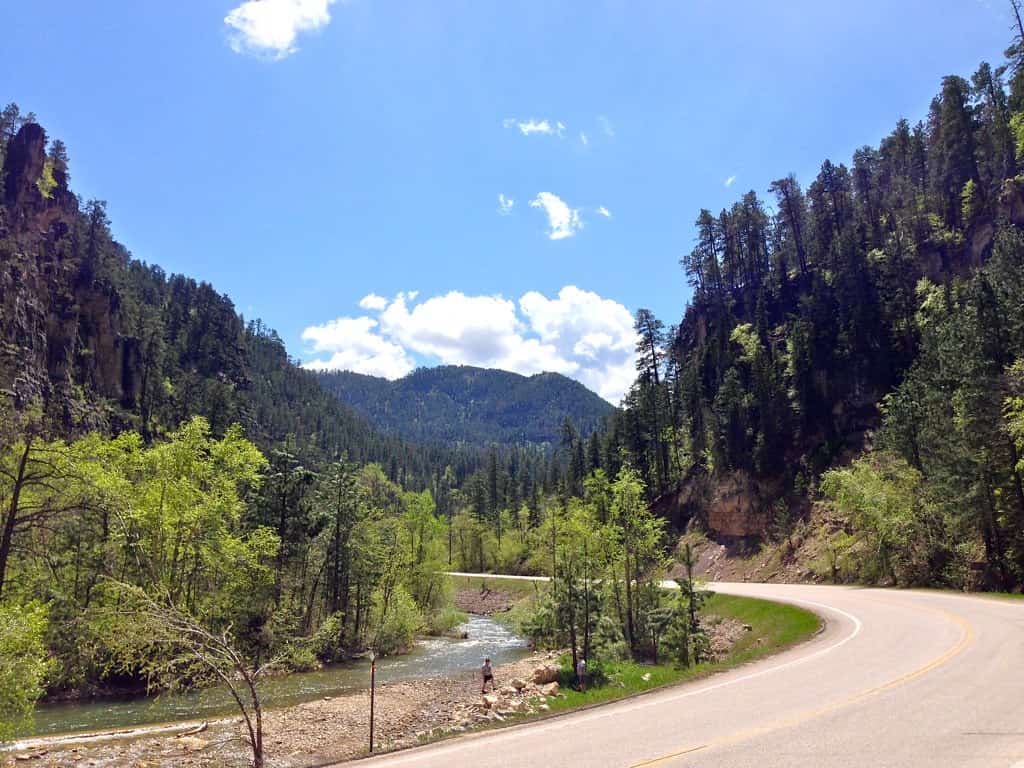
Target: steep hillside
[471, 405]
[881, 309]
[103, 341]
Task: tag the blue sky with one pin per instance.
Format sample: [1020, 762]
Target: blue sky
[335, 167]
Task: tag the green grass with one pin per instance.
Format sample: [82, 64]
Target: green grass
[774, 627]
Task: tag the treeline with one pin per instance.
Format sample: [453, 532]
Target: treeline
[885, 294]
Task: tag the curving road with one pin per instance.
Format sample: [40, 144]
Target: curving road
[897, 679]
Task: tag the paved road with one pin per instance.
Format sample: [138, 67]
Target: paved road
[897, 679]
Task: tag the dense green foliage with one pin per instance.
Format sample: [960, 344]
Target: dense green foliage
[464, 404]
[886, 299]
[608, 554]
[23, 664]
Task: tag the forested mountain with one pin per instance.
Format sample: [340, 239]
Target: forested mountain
[106, 342]
[880, 308]
[464, 404]
[155, 446]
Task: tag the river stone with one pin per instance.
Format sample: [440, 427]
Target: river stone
[546, 673]
[518, 683]
[192, 743]
[551, 689]
[490, 701]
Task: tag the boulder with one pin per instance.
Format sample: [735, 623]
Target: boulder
[551, 689]
[546, 673]
[193, 743]
[518, 683]
[490, 701]
[508, 690]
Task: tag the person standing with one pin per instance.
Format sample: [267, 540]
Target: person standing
[581, 674]
[488, 675]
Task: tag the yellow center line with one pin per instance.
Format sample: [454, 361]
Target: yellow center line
[966, 638]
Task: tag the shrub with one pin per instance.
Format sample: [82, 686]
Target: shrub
[396, 623]
[23, 664]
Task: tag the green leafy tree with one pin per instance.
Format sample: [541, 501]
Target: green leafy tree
[24, 664]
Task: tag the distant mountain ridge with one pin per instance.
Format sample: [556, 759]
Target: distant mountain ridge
[461, 403]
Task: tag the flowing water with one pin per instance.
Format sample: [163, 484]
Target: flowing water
[431, 657]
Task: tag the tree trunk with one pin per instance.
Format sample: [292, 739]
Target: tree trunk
[7, 537]
[629, 607]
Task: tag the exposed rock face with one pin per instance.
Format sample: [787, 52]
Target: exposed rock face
[60, 325]
[737, 508]
[1011, 201]
[733, 505]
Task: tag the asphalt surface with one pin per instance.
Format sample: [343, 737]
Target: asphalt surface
[897, 679]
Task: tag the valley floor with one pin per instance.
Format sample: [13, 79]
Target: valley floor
[336, 729]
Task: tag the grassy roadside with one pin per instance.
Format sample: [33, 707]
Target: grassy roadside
[774, 627]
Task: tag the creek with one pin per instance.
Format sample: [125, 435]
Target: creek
[431, 657]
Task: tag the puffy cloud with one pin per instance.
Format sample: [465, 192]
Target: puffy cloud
[531, 126]
[604, 212]
[577, 333]
[730, 180]
[373, 301]
[595, 332]
[270, 27]
[563, 221]
[505, 205]
[353, 344]
[454, 327]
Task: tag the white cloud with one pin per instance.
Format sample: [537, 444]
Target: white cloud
[270, 27]
[584, 140]
[353, 344]
[373, 301]
[730, 180]
[595, 332]
[534, 126]
[505, 204]
[454, 327]
[604, 212]
[563, 221]
[577, 333]
[606, 126]
[531, 126]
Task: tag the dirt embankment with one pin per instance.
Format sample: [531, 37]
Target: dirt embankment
[803, 556]
[484, 601]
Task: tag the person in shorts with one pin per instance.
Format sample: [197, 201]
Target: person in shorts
[488, 675]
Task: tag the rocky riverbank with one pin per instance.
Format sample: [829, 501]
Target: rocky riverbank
[332, 729]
